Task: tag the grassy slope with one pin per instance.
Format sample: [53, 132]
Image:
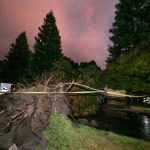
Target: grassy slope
[63, 136]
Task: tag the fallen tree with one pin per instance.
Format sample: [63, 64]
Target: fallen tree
[28, 111]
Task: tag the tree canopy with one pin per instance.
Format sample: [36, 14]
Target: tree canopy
[131, 27]
[130, 72]
[128, 62]
[16, 65]
[47, 46]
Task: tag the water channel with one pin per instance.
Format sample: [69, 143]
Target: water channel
[136, 126]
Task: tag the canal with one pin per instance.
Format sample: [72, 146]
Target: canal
[136, 126]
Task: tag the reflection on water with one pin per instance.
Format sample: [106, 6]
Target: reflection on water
[146, 126]
[125, 124]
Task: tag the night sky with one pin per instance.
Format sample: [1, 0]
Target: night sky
[83, 24]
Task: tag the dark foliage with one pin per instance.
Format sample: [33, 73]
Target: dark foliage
[16, 64]
[130, 72]
[47, 46]
[131, 28]
[128, 62]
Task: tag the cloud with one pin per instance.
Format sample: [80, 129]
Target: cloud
[83, 25]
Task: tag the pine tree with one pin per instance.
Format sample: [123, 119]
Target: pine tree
[131, 28]
[47, 46]
[17, 60]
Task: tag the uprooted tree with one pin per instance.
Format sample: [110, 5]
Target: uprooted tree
[29, 114]
[29, 111]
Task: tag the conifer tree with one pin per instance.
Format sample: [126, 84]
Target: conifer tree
[47, 46]
[128, 62]
[17, 60]
[131, 28]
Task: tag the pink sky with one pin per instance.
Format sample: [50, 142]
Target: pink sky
[83, 24]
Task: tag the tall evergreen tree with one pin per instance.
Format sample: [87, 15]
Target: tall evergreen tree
[17, 60]
[47, 46]
[131, 27]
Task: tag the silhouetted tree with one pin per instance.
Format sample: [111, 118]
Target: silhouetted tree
[131, 28]
[47, 46]
[17, 61]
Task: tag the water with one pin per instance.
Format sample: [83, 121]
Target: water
[135, 126]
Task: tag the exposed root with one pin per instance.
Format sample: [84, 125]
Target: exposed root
[34, 110]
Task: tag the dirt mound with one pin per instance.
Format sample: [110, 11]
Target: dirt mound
[29, 114]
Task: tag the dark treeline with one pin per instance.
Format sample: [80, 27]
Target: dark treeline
[21, 64]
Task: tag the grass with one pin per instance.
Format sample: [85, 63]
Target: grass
[62, 135]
